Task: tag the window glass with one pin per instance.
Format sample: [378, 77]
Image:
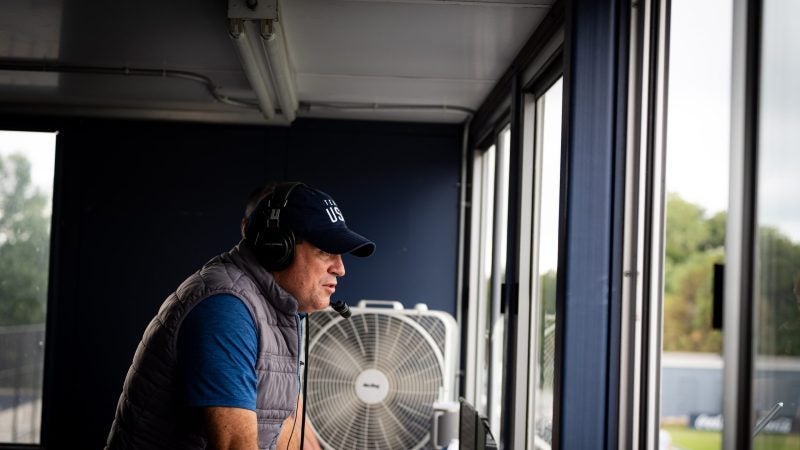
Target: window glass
[27, 163]
[545, 254]
[497, 330]
[490, 220]
[484, 290]
[776, 309]
[697, 147]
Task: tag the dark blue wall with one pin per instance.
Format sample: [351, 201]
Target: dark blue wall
[140, 205]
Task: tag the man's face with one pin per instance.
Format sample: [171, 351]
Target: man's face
[311, 277]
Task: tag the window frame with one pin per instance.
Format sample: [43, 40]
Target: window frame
[50, 323]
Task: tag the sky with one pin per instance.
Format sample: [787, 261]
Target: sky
[779, 119]
[551, 175]
[698, 110]
[698, 117]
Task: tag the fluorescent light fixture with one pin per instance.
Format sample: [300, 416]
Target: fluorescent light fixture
[262, 49]
[254, 64]
[282, 75]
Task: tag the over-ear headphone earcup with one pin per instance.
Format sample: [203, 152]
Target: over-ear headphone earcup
[272, 242]
[274, 248]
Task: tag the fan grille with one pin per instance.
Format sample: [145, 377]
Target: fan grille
[372, 381]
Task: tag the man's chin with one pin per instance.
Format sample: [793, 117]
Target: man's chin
[318, 305]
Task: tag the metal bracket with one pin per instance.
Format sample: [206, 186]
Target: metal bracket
[253, 9]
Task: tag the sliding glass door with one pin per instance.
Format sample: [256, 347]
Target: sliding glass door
[544, 267]
[775, 408]
[486, 357]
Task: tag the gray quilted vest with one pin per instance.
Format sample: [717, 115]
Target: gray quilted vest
[150, 412]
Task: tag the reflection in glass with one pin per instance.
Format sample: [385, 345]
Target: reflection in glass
[26, 180]
[545, 267]
[497, 330]
[697, 149]
[486, 165]
[776, 372]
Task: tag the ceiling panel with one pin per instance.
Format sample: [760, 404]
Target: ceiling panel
[428, 53]
[425, 40]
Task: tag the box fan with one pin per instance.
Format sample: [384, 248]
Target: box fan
[373, 378]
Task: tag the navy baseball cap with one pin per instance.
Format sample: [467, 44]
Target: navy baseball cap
[314, 216]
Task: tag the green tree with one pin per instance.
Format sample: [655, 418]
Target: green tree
[778, 295]
[688, 308]
[24, 244]
[716, 230]
[693, 245]
[687, 230]
[548, 287]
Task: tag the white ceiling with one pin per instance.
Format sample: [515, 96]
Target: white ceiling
[407, 59]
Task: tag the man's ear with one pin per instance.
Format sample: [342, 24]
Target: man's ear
[243, 226]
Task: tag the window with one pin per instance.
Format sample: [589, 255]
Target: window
[497, 333]
[27, 162]
[480, 270]
[513, 228]
[544, 266]
[697, 146]
[486, 341]
[775, 412]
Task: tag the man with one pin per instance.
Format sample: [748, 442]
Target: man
[288, 438]
[218, 365]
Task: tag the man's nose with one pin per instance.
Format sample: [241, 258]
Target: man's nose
[338, 266]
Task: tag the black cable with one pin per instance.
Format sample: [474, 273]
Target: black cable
[356, 106]
[294, 422]
[305, 384]
[26, 65]
[50, 66]
[297, 403]
[213, 89]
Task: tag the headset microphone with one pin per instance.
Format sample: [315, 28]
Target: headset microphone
[341, 307]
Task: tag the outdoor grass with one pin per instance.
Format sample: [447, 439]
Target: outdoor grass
[689, 439]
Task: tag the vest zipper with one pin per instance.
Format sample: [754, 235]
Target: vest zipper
[299, 350]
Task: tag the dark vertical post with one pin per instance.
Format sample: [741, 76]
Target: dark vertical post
[587, 382]
[511, 285]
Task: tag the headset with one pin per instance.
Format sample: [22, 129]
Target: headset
[273, 243]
